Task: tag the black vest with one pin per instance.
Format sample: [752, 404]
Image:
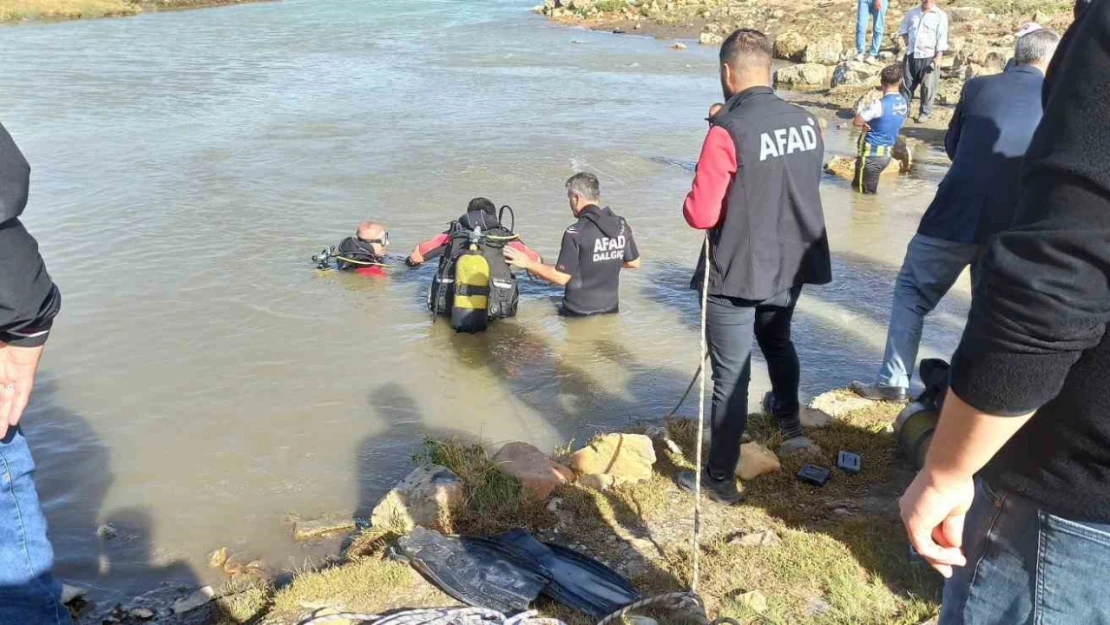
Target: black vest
[772, 232]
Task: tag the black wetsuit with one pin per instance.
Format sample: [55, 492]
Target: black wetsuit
[593, 252]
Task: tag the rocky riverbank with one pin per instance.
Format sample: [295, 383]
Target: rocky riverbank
[819, 36]
[793, 553]
[27, 10]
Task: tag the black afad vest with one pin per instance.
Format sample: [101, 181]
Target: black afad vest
[772, 234]
[501, 292]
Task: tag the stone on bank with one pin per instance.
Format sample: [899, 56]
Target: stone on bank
[423, 498]
[536, 472]
[804, 75]
[624, 458]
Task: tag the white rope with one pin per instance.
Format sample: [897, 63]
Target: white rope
[438, 616]
[701, 424]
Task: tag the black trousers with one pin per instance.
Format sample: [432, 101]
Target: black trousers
[731, 324]
[868, 171]
[914, 75]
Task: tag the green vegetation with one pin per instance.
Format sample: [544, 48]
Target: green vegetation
[842, 559]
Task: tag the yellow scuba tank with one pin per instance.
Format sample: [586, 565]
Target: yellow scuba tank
[469, 311]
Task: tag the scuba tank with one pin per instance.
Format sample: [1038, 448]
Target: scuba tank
[473, 270]
[469, 310]
[914, 426]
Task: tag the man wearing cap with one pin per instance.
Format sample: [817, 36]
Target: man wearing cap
[925, 32]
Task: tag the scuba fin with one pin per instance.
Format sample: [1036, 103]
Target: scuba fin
[574, 580]
[472, 570]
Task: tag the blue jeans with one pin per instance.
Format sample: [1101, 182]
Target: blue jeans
[1028, 567]
[865, 14]
[28, 593]
[731, 326]
[929, 271]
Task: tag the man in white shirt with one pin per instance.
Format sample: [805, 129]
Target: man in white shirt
[925, 33]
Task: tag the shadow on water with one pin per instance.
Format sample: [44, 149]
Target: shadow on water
[73, 481]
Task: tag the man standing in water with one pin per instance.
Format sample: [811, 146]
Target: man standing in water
[28, 303]
[756, 193]
[594, 250]
[881, 121]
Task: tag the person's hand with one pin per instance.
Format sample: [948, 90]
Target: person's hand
[517, 258]
[17, 377]
[866, 127]
[933, 511]
[714, 109]
[416, 258]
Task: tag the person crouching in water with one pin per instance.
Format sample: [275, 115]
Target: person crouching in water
[593, 251]
[881, 121]
[473, 283]
[364, 253]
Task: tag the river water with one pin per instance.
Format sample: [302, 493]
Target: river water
[205, 384]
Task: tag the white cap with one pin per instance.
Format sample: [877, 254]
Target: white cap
[1026, 28]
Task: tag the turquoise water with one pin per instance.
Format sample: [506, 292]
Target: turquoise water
[205, 384]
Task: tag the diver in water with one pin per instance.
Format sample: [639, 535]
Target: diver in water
[473, 283]
[364, 253]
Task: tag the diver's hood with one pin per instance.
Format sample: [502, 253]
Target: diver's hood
[15, 178]
[479, 219]
[604, 218]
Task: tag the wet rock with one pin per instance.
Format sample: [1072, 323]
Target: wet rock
[625, 458]
[598, 482]
[423, 498]
[756, 460]
[710, 39]
[196, 599]
[107, 531]
[855, 73]
[317, 528]
[678, 46]
[790, 46]
[753, 600]
[799, 446]
[766, 538]
[826, 50]
[839, 403]
[804, 75]
[143, 614]
[533, 468]
[218, 558]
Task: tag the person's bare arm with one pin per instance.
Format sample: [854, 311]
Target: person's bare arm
[934, 506]
[859, 122]
[18, 366]
[632, 264]
[521, 260]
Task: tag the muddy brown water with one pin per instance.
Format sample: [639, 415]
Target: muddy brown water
[205, 383]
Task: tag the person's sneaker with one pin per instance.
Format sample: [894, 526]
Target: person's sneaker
[880, 392]
[791, 426]
[922, 119]
[721, 491]
[873, 59]
[859, 57]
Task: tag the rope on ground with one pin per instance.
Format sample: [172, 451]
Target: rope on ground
[701, 424]
[437, 616]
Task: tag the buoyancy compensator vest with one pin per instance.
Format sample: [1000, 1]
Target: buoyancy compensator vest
[349, 254]
[473, 283]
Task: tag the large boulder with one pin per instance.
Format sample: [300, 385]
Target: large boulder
[826, 50]
[625, 458]
[538, 473]
[790, 46]
[987, 57]
[756, 460]
[804, 75]
[424, 498]
[855, 74]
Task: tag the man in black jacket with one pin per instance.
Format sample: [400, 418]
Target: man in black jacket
[1029, 408]
[28, 303]
[756, 193]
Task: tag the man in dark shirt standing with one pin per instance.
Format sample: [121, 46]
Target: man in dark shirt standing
[29, 301]
[594, 250]
[1028, 413]
[989, 133]
[756, 192]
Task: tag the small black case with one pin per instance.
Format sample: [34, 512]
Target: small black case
[848, 462]
[813, 474]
